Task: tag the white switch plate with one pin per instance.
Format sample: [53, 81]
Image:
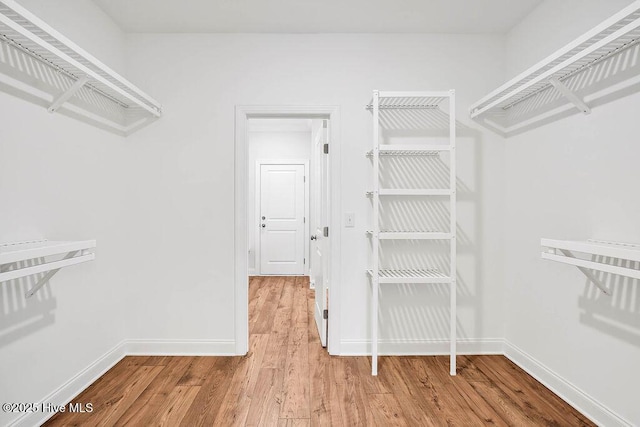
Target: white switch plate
[349, 219]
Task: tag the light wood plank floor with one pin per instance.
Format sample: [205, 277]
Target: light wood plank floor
[288, 379]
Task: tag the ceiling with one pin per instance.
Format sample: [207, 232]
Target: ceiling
[315, 16]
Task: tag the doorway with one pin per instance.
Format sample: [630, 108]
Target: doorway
[287, 204]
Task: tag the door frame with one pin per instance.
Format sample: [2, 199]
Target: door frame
[241, 254]
[257, 203]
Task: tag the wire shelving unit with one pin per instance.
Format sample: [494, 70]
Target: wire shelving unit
[402, 107]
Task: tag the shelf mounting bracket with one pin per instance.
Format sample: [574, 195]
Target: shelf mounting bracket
[570, 95]
[46, 277]
[588, 273]
[64, 96]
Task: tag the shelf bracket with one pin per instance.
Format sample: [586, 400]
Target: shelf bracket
[552, 255]
[64, 96]
[570, 95]
[588, 273]
[47, 277]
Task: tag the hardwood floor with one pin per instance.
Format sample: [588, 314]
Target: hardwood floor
[288, 379]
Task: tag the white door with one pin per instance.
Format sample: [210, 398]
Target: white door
[282, 201]
[319, 241]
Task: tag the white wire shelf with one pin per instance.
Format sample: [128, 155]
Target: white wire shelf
[410, 150]
[426, 276]
[411, 235]
[409, 100]
[40, 61]
[17, 259]
[602, 254]
[569, 79]
[412, 192]
[414, 148]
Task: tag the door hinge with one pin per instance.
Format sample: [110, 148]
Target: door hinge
[304, 219]
[325, 314]
[324, 124]
[325, 232]
[304, 260]
[326, 148]
[304, 179]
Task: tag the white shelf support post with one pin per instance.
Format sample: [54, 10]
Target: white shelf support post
[570, 95]
[453, 225]
[66, 95]
[375, 241]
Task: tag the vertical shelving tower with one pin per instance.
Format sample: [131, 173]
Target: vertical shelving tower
[409, 109]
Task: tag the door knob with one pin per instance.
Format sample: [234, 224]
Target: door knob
[264, 225]
[263, 218]
[314, 237]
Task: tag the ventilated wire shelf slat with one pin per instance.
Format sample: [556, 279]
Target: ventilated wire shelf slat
[431, 275]
[409, 153]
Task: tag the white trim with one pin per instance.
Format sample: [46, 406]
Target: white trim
[73, 387]
[258, 184]
[147, 347]
[422, 347]
[243, 113]
[568, 392]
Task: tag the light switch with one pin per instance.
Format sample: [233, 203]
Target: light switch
[349, 219]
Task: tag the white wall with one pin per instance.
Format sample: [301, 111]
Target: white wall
[189, 164]
[575, 179]
[62, 179]
[272, 139]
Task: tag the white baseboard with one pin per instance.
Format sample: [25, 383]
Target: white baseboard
[421, 347]
[568, 392]
[66, 392]
[181, 347]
